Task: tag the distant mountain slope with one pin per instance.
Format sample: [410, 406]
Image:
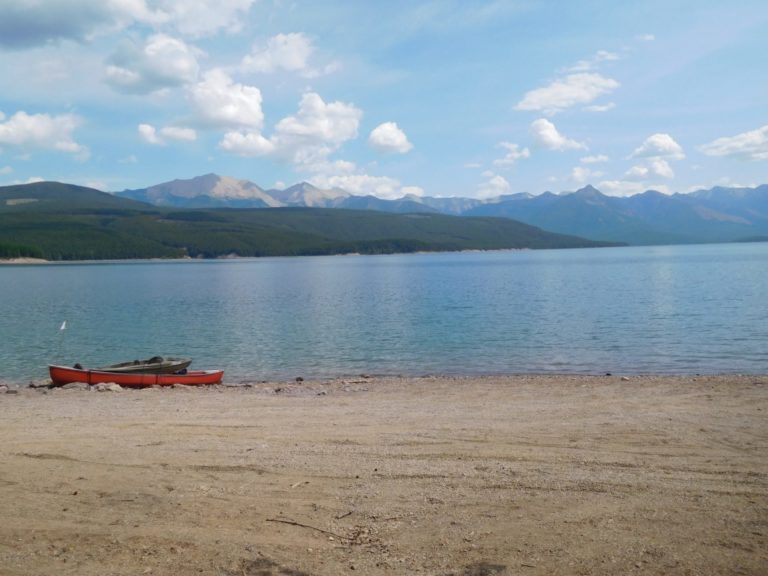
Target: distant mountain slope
[214, 191]
[63, 222]
[52, 196]
[647, 218]
[748, 203]
[716, 215]
[586, 212]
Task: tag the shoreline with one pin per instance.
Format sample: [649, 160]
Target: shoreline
[234, 257]
[533, 474]
[12, 261]
[230, 258]
[241, 382]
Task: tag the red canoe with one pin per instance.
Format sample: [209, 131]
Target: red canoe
[61, 375]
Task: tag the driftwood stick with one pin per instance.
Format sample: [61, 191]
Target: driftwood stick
[294, 523]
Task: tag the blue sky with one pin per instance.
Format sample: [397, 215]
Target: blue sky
[442, 98]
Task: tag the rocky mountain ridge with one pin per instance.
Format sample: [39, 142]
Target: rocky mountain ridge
[719, 214]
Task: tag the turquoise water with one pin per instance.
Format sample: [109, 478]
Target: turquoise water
[681, 309]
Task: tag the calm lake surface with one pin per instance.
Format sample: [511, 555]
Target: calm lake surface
[678, 309]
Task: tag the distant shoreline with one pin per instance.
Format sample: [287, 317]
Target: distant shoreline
[24, 261]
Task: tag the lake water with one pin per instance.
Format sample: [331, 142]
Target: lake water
[679, 309]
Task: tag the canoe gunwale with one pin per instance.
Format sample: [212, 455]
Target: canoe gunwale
[164, 366]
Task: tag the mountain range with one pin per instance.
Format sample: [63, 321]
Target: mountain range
[58, 221]
[718, 214]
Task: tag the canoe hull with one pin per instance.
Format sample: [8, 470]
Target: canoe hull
[61, 375]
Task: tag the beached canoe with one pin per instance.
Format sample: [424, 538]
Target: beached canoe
[61, 375]
[154, 365]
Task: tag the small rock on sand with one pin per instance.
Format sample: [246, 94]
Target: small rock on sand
[75, 386]
[109, 387]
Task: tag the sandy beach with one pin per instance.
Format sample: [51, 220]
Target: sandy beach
[526, 475]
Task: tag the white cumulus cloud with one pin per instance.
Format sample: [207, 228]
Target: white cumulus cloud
[289, 52]
[191, 17]
[152, 136]
[492, 186]
[317, 121]
[389, 138]
[620, 187]
[655, 153]
[41, 131]
[582, 174]
[752, 145]
[546, 134]
[412, 191]
[563, 93]
[361, 184]
[162, 62]
[514, 153]
[305, 139]
[149, 134]
[600, 107]
[659, 146]
[654, 168]
[246, 143]
[222, 103]
[179, 133]
[661, 168]
[596, 159]
[591, 63]
[347, 176]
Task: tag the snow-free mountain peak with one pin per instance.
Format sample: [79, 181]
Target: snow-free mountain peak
[208, 190]
[306, 194]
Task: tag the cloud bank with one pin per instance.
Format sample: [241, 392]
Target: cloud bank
[41, 131]
[752, 145]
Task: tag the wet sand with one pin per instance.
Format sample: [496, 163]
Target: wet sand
[471, 476]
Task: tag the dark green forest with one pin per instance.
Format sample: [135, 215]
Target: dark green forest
[65, 222]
